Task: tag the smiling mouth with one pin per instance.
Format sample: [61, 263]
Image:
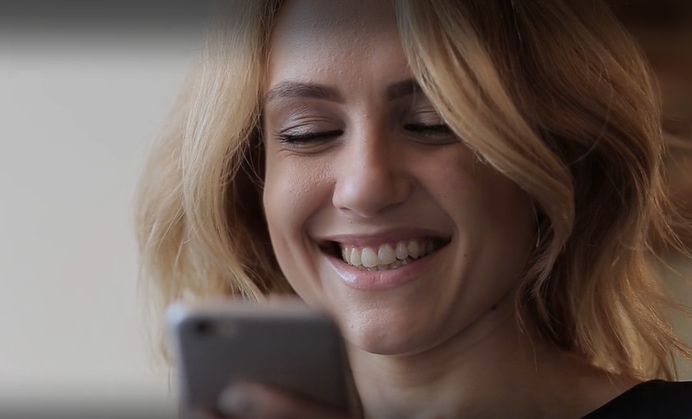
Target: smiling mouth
[386, 256]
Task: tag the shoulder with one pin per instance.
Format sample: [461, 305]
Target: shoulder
[650, 399]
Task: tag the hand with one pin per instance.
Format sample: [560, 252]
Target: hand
[251, 400]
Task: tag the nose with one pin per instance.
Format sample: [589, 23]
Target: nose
[372, 177]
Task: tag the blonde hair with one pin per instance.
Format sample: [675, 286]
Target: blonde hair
[554, 95]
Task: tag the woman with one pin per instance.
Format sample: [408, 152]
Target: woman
[468, 187]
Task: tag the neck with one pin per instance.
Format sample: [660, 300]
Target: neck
[493, 368]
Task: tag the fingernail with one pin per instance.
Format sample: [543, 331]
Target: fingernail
[236, 400]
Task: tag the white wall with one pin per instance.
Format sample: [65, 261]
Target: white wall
[77, 115]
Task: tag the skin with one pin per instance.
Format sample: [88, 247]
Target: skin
[377, 179]
[439, 339]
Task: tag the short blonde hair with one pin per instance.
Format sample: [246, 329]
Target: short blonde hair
[554, 95]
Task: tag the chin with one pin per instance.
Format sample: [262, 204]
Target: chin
[392, 345]
[384, 334]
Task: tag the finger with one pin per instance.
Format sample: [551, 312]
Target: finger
[202, 414]
[250, 400]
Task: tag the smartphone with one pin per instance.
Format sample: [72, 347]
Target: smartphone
[284, 344]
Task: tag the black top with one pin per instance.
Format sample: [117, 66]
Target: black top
[655, 399]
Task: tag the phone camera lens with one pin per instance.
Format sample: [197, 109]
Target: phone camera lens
[203, 327]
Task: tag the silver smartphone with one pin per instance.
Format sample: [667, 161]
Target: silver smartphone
[283, 343]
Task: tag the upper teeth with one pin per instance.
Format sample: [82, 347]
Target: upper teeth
[388, 255]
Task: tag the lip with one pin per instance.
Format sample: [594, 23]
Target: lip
[363, 280]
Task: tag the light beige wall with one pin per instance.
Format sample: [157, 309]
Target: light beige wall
[77, 117]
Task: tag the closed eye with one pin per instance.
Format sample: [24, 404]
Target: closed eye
[425, 128]
[431, 134]
[308, 137]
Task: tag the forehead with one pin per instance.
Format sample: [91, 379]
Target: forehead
[334, 36]
[350, 18]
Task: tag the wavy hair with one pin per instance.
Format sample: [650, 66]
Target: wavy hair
[554, 95]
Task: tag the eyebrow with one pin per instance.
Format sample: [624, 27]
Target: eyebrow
[290, 89]
[402, 88]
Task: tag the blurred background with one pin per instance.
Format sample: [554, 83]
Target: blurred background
[84, 89]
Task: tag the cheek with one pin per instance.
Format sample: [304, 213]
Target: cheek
[482, 194]
[293, 193]
[492, 215]
[463, 187]
[289, 193]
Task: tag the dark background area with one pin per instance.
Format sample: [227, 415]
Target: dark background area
[101, 16]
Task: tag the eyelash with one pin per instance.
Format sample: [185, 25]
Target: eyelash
[429, 129]
[435, 129]
[308, 136]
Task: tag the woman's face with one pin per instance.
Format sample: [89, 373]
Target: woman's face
[376, 211]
